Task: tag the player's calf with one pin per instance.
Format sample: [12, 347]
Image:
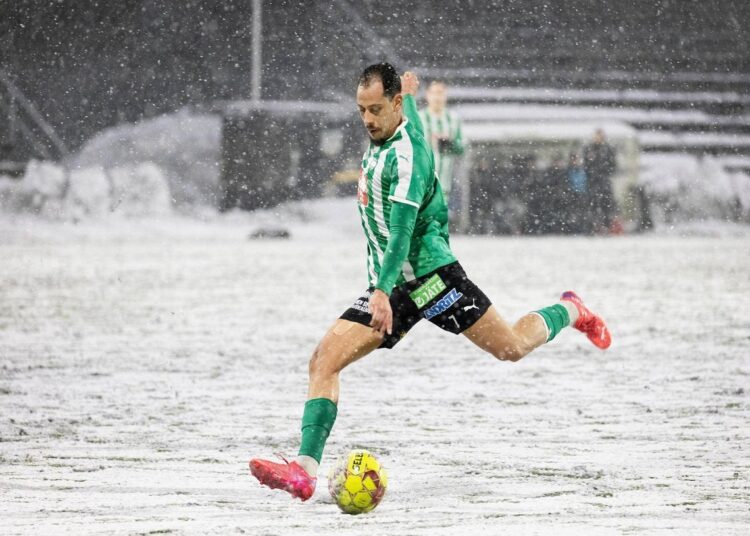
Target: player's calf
[512, 351]
[504, 342]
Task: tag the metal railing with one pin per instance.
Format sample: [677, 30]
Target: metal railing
[24, 119]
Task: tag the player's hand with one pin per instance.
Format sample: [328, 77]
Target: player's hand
[409, 83]
[382, 315]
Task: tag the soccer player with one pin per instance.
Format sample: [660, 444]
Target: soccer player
[413, 274]
[442, 130]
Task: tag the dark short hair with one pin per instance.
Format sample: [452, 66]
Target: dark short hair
[388, 76]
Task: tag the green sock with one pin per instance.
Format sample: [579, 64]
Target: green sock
[317, 421]
[556, 317]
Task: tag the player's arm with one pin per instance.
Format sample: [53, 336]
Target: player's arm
[409, 87]
[411, 112]
[402, 221]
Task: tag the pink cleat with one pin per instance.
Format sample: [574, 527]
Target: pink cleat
[288, 476]
[589, 323]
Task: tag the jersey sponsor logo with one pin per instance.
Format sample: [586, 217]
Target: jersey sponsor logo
[362, 196]
[427, 291]
[441, 306]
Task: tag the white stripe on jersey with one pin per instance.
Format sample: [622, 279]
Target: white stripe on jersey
[371, 265]
[378, 252]
[404, 165]
[377, 196]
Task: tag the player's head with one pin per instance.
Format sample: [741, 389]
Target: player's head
[437, 96]
[599, 136]
[379, 101]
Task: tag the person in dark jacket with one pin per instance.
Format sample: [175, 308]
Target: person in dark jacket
[600, 163]
[545, 201]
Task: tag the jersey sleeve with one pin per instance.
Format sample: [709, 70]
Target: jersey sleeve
[411, 112]
[401, 226]
[411, 170]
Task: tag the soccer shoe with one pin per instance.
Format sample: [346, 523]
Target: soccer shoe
[288, 476]
[589, 323]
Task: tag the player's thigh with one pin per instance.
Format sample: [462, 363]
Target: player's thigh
[493, 334]
[343, 344]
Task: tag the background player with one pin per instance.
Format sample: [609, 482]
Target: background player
[442, 130]
[413, 274]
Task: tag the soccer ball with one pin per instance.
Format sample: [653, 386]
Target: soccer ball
[357, 482]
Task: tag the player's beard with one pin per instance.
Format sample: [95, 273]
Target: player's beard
[377, 141]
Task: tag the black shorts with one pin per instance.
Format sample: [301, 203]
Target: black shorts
[446, 297]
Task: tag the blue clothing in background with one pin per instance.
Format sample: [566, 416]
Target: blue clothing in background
[577, 179]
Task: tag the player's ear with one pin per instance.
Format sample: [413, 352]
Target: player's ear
[398, 101]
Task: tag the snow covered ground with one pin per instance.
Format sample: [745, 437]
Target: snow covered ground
[143, 362]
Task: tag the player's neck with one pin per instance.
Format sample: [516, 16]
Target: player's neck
[436, 110]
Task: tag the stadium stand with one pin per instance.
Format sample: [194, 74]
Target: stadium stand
[140, 58]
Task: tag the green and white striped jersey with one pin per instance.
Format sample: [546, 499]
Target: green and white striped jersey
[446, 125]
[401, 170]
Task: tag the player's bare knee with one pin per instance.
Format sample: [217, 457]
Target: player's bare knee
[322, 364]
[316, 366]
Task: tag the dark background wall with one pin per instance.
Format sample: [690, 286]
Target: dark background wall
[88, 65]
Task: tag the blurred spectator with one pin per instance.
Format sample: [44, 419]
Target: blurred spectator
[522, 176]
[516, 188]
[579, 202]
[442, 129]
[545, 204]
[599, 163]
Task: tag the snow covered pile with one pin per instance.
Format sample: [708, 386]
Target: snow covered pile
[53, 192]
[186, 146]
[131, 170]
[682, 187]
